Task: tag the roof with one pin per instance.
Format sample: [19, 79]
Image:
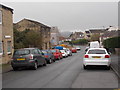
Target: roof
[111, 33]
[36, 22]
[96, 48]
[5, 7]
[87, 31]
[79, 32]
[97, 30]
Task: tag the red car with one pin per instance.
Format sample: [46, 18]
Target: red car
[74, 50]
[57, 54]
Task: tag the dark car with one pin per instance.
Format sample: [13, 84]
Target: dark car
[27, 57]
[48, 56]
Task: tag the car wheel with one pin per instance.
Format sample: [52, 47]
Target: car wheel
[50, 61]
[15, 68]
[84, 67]
[45, 63]
[35, 66]
[58, 58]
[108, 67]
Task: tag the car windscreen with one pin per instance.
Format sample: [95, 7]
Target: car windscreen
[22, 52]
[96, 52]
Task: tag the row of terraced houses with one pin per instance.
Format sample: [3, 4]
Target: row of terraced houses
[7, 37]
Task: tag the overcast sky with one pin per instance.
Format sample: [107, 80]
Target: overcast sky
[68, 16]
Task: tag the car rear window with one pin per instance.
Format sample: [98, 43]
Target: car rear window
[22, 52]
[53, 51]
[62, 51]
[45, 52]
[96, 52]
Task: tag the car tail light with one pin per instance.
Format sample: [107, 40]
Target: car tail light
[46, 56]
[31, 57]
[86, 56]
[107, 56]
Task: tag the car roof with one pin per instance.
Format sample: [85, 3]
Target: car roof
[96, 48]
[26, 48]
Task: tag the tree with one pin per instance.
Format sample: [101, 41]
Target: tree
[27, 38]
[33, 39]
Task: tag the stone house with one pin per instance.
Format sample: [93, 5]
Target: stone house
[55, 34]
[44, 30]
[6, 34]
[77, 35]
[89, 33]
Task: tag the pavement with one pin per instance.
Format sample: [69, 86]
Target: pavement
[6, 68]
[116, 63]
[65, 73]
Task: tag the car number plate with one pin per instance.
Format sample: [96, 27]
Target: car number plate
[21, 59]
[96, 57]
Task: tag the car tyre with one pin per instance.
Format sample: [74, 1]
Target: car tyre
[50, 61]
[45, 63]
[35, 66]
[108, 67]
[15, 68]
[84, 67]
[58, 58]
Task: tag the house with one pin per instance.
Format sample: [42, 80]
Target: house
[77, 35]
[44, 30]
[55, 34]
[87, 35]
[6, 34]
[91, 32]
[109, 34]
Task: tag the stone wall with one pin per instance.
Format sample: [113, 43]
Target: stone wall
[7, 34]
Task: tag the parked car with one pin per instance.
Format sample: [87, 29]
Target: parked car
[48, 56]
[74, 50]
[57, 54]
[69, 52]
[78, 48]
[27, 57]
[64, 54]
[96, 56]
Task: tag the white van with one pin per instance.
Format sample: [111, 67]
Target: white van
[94, 44]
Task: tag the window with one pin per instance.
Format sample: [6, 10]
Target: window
[1, 48]
[35, 51]
[96, 52]
[0, 17]
[9, 47]
[22, 52]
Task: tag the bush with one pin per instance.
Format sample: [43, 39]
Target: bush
[27, 38]
[79, 42]
[112, 42]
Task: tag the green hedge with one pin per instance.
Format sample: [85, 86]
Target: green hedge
[79, 42]
[112, 42]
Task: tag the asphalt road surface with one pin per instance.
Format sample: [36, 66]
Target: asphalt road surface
[66, 73]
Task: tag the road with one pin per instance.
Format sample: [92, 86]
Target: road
[66, 73]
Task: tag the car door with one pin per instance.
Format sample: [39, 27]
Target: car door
[36, 55]
[41, 57]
